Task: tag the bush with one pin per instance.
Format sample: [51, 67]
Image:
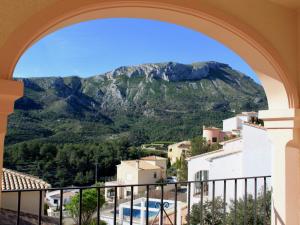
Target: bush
[89, 206]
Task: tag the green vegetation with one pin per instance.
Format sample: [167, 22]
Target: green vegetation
[89, 206]
[262, 208]
[200, 146]
[182, 169]
[71, 164]
[63, 126]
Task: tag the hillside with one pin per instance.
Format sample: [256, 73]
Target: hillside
[168, 101]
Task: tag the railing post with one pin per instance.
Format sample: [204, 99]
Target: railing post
[161, 222]
[61, 207]
[19, 207]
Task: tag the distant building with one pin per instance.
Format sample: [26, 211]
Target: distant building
[234, 124]
[177, 150]
[53, 201]
[143, 171]
[14, 181]
[213, 134]
[245, 156]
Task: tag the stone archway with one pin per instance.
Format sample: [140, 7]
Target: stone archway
[217, 22]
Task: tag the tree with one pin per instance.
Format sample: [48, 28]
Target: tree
[89, 206]
[182, 169]
[200, 146]
[263, 210]
[208, 216]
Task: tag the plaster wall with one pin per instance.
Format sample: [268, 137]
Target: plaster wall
[29, 201]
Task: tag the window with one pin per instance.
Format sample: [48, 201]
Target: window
[55, 201]
[214, 139]
[154, 175]
[110, 193]
[201, 175]
[170, 150]
[128, 193]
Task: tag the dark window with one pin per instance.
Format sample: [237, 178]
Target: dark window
[201, 175]
[128, 193]
[214, 139]
[55, 201]
[154, 175]
[111, 193]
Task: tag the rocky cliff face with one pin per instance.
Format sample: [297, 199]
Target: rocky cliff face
[158, 91]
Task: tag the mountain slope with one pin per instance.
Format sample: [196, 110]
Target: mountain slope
[168, 101]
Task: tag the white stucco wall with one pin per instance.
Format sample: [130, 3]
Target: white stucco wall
[230, 124]
[236, 144]
[257, 156]
[253, 159]
[234, 123]
[194, 166]
[228, 166]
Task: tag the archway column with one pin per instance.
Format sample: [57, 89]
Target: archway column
[9, 91]
[283, 128]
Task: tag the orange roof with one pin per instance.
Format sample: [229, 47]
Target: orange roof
[13, 180]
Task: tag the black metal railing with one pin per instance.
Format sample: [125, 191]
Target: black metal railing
[225, 201]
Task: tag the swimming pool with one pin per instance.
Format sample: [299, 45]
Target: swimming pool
[140, 204]
[152, 204]
[136, 213]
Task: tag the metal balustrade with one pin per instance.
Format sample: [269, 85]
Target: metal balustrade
[226, 189]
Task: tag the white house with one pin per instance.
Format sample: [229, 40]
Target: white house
[53, 201]
[234, 124]
[245, 156]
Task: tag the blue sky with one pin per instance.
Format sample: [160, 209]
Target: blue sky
[97, 46]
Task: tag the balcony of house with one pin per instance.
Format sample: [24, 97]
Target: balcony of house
[244, 200]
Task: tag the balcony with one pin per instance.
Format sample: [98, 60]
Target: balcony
[243, 200]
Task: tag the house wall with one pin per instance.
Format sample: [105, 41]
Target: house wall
[174, 152]
[195, 165]
[234, 123]
[233, 145]
[127, 174]
[230, 124]
[254, 160]
[257, 152]
[161, 163]
[229, 166]
[29, 201]
[209, 134]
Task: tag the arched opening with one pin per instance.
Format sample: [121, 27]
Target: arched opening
[259, 54]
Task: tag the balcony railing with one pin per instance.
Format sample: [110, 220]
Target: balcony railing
[224, 201]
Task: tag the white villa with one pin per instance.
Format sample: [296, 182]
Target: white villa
[247, 155]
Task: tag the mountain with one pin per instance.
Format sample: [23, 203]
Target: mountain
[169, 101]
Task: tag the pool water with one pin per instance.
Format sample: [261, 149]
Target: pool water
[152, 204]
[137, 212]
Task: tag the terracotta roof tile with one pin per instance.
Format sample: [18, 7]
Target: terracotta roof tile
[13, 180]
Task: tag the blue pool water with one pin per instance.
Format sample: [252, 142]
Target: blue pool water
[152, 204]
[137, 212]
